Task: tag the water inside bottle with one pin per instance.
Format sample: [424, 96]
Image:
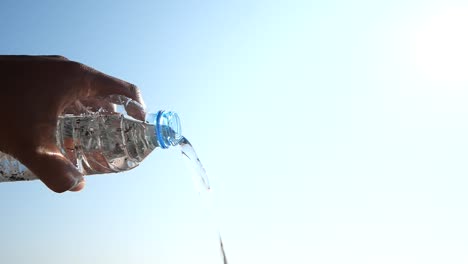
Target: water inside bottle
[104, 143]
[201, 182]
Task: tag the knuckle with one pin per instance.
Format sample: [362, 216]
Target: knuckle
[135, 92]
[81, 74]
[75, 66]
[134, 89]
[59, 57]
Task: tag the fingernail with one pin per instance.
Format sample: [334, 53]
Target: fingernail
[78, 186]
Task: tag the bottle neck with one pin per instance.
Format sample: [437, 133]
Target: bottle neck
[167, 128]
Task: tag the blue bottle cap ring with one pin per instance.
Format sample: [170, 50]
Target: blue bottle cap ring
[168, 129]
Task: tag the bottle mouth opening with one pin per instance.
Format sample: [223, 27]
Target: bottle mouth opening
[168, 129]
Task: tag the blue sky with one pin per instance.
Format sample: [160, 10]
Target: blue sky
[332, 132]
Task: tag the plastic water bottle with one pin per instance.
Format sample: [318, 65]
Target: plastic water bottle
[104, 143]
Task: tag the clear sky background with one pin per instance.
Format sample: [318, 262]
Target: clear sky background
[332, 132]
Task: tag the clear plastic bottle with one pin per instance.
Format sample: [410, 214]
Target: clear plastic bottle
[104, 143]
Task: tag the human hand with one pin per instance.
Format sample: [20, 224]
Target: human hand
[35, 91]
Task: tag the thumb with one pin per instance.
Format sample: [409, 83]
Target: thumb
[54, 170]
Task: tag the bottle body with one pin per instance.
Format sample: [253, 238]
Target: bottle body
[98, 144]
[103, 143]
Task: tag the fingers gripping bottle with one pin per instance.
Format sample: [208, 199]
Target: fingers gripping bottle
[100, 143]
